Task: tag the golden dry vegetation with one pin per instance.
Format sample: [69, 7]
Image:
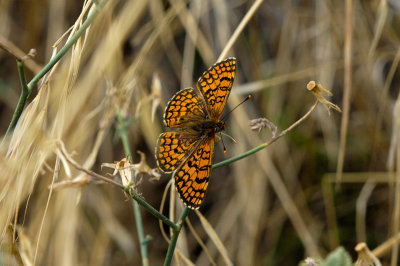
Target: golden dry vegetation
[329, 182]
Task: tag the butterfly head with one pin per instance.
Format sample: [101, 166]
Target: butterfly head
[220, 126]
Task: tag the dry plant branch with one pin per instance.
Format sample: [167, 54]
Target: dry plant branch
[266, 144]
[214, 237]
[348, 61]
[26, 88]
[386, 246]
[136, 209]
[301, 228]
[18, 53]
[65, 156]
[240, 28]
[396, 207]
[200, 242]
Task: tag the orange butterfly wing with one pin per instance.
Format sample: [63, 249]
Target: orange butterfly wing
[185, 106]
[171, 150]
[191, 179]
[216, 84]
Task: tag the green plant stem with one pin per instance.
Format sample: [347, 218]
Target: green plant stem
[25, 92]
[152, 210]
[174, 238]
[176, 232]
[27, 88]
[135, 205]
[266, 144]
[92, 15]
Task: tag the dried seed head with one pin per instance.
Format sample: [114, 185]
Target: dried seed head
[365, 256]
[317, 89]
[125, 168]
[261, 123]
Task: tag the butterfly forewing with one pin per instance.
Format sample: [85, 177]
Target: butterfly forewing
[185, 106]
[215, 85]
[191, 179]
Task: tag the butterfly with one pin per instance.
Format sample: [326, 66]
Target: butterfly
[193, 117]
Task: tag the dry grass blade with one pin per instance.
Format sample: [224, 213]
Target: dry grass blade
[214, 237]
[348, 62]
[112, 85]
[201, 243]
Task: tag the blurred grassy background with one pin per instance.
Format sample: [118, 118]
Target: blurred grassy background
[130, 47]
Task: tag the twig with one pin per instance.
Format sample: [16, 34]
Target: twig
[17, 53]
[22, 98]
[92, 15]
[27, 88]
[385, 247]
[110, 181]
[10, 51]
[80, 168]
[240, 28]
[136, 210]
[174, 238]
[266, 144]
[348, 50]
[396, 211]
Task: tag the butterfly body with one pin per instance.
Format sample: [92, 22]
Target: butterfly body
[193, 116]
[209, 128]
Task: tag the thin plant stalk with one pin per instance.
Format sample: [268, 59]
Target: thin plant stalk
[135, 205]
[348, 64]
[27, 88]
[134, 196]
[176, 228]
[174, 238]
[25, 92]
[266, 144]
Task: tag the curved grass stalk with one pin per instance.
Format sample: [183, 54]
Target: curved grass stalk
[27, 88]
[266, 144]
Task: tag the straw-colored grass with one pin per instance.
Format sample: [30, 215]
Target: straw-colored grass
[328, 182]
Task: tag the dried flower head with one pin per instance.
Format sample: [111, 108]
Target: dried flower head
[317, 89]
[261, 123]
[122, 167]
[32, 53]
[310, 262]
[365, 256]
[125, 169]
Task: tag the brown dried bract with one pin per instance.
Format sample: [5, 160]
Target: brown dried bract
[261, 123]
[317, 89]
[125, 168]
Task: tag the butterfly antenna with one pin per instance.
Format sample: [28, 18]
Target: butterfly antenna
[222, 140]
[247, 98]
[234, 141]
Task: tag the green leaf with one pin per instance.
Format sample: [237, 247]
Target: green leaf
[338, 257]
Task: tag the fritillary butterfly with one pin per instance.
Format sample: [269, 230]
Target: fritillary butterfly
[193, 115]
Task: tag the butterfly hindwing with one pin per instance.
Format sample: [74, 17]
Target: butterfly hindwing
[191, 178]
[171, 149]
